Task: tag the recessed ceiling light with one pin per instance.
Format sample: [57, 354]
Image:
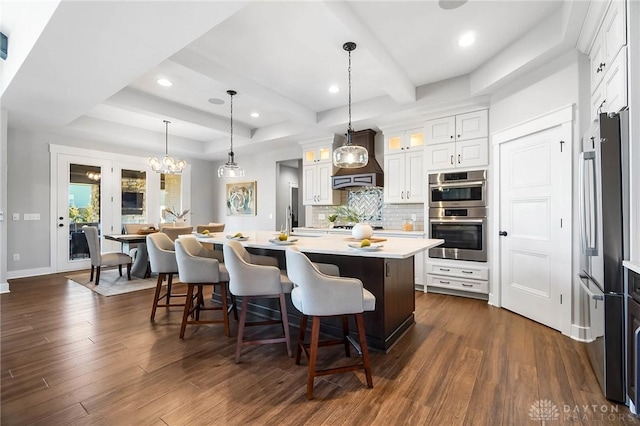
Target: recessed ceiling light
[164, 82]
[466, 40]
[255, 115]
[216, 101]
[334, 89]
[451, 4]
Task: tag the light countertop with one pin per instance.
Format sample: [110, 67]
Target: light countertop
[634, 266]
[393, 247]
[379, 232]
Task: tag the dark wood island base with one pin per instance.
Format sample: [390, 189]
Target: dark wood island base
[390, 281]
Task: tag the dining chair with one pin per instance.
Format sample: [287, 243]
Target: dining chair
[106, 259]
[134, 228]
[252, 281]
[197, 267]
[318, 296]
[211, 227]
[174, 231]
[162, 258]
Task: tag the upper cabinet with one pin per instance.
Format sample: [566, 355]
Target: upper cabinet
[317, 153]
[317, 169]
[461, 127]
[404, 165]
[457, 141]
[608, 59]
[404, 141]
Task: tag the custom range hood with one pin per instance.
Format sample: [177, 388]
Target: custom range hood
[369, 175]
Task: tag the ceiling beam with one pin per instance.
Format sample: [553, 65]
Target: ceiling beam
[134, 100]
[399, 86]
[216, 71]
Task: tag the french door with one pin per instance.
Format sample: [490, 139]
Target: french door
[84, 188]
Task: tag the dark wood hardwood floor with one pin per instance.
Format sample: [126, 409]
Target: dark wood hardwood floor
[72, 357]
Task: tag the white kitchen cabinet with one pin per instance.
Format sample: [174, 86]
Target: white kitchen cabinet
[472, 125]
[401, 141]
[317, 188]
[608, 42]
[457, 277]
[317, 169]
[468, 153]
[614, 84]
[317, 153]
[404, 178]
[608, 59]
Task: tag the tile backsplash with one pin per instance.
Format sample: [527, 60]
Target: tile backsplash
[369, 202]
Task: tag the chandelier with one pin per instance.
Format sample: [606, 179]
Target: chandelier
[168, 165]
[230, 169]
[350, 156]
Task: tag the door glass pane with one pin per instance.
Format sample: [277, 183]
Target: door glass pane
[170, 197]
[84, 206]
[134, 196]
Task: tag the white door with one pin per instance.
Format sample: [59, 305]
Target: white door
[84, 188]
[535, 214]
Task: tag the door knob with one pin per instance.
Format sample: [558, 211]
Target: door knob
[502, 233]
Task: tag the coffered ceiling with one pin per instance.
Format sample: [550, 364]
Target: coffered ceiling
[92, 72]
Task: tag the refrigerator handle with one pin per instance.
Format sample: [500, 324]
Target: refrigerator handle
[636, 363]
[587, 248]
[586, 289]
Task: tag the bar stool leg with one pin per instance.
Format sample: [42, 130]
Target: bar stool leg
[156, 297]
[345, 333]
[187, 307]
[301, 333]
[315, 337]
[365, 351]
[243, 320]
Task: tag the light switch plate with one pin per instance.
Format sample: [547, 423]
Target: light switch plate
[32, 216]
[16, 216]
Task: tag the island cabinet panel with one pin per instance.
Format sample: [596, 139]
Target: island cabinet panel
[389, 280]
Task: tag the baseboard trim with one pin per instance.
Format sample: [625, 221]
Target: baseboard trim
[4, 288]
[30, 273]
[580, 333]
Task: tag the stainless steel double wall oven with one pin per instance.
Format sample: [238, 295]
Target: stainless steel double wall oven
[458, 215]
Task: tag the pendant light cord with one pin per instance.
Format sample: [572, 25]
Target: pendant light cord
[166, 137]
[231, 120]
[349, 129]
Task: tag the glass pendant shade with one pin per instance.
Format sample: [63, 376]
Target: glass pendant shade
[350, 157]
[230, 169]
[168, 165]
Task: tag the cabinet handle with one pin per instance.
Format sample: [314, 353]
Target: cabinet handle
[467, 285]
[458, 158]
[452, 159]
[408, 195]
[451, 137]
[467, 272]
[402, 195]
[444, 270]
[444, 282]
[459, 136]
[601, 67]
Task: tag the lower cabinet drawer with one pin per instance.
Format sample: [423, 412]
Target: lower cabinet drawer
[467, 272]
[475, 286]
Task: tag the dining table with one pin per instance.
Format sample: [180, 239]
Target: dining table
[140, 267]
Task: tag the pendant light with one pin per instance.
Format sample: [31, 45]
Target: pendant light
[230, 169]
[350, 156]
[168, 165]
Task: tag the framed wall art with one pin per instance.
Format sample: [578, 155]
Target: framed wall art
[241, 199]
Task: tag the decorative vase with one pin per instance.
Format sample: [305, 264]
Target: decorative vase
[360, 231]
[180, 221]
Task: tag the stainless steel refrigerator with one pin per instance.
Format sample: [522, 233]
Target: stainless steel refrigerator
[604, 240]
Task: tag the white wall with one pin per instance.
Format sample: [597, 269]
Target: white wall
[562, 82]
[260, 167]
[4, 286]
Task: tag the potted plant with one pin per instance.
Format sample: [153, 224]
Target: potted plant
[332, 220]
[360, 230]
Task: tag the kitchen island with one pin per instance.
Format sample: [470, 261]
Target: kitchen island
[387, 272]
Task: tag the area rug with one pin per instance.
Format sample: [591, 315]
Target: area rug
[111, 283]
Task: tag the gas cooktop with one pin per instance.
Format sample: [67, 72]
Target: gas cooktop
[375, 228]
